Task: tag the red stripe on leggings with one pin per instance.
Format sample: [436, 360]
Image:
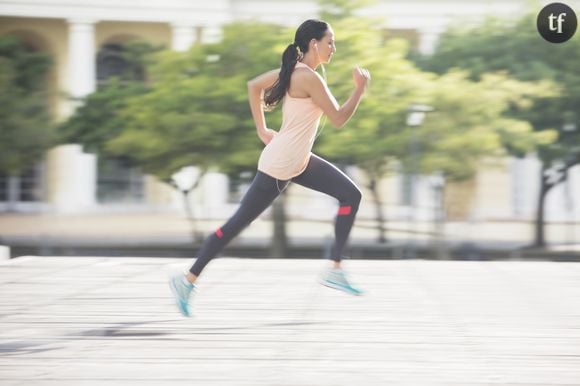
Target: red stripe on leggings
[344, 210]
[219, 233]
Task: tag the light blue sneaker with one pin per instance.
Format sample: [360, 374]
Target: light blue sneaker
[182, 290]
[337, 279]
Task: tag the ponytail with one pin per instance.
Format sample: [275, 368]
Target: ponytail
[277, 91]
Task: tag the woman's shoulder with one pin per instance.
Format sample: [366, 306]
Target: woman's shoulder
[305, 72]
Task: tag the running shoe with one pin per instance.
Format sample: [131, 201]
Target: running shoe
[181, 290]
[337, 279]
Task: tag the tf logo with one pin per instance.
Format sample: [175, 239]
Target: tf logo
[557, 23]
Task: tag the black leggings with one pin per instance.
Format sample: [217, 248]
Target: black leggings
[319, 175]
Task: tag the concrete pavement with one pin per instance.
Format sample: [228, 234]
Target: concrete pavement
[94, 321]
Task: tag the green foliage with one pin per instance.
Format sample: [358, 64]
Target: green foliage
[472, 119]
[99, 119]
[30, 66]
[196, 111]
[25, 128]
[471, 123]
[518, 49]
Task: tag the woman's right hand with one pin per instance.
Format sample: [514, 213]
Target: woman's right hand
[266, 135]
[361, 77]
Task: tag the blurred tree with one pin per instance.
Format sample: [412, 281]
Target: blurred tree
[518, 48]
[98, 119]
[196, 111]
[471, 127]
[26, 131]
[470, 122]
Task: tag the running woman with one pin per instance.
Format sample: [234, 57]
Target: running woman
[287, 156]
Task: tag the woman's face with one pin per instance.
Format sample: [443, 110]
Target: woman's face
[325, 46]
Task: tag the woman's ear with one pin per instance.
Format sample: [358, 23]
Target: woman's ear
[314, 43]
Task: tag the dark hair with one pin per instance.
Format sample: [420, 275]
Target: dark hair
[310, 29]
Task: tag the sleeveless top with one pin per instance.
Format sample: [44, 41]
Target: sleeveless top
[288, 153]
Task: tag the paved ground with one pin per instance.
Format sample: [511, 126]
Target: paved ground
[93, 321]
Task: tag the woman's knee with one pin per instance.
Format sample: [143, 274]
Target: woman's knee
[357, 196]
[353, 197]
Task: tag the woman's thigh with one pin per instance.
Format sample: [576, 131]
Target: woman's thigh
[322, 176]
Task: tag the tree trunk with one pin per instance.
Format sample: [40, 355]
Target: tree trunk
[279, 247]
[379, 210]
[539, 238]
[545, 187]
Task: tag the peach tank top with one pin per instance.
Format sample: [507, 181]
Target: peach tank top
[288, 153]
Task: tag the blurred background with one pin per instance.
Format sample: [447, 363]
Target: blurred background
[125, 128]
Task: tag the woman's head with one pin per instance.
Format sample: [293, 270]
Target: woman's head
[316, 37]
[313, 38]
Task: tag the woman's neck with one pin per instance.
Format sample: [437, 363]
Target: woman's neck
[311, 61]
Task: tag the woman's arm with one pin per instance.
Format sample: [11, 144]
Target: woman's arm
[321, 96]
[256, 89]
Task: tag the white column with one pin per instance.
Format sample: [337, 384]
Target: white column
[71, 179]
[4, 252]
[81, 58]
[183, 36]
